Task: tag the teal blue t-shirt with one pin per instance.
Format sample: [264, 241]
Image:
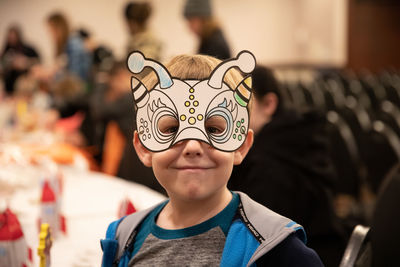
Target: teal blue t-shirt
[202, 243]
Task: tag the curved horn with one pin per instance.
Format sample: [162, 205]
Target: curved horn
[245, 61]
[137, 62]
[139, 92]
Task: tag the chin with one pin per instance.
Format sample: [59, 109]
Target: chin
[194, 193]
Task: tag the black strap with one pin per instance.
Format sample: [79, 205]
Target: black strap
[242, 215]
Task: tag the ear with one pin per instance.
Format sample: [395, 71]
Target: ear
[144, 155]
[269, 103]
[241, 152]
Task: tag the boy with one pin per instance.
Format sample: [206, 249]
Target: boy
[192, 132]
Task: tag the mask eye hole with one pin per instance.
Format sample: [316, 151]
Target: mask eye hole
[168, 124]
[219, 124]
[216, 125]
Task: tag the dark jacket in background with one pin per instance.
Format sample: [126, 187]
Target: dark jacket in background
[10, 73]
[122, 112]
[215, 45]
[289, 171]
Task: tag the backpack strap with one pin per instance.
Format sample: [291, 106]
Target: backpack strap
[109, 245]
[120, 237]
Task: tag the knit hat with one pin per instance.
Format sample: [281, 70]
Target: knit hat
[197, 8]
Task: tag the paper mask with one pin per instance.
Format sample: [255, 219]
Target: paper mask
[206, 110]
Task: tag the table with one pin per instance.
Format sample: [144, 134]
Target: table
[90, 202]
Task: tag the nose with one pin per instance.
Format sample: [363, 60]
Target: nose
[192, 148]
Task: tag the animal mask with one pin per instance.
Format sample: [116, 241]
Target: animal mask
[206, 110]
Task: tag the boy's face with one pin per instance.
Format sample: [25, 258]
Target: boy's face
[191, 169]
[192, 131]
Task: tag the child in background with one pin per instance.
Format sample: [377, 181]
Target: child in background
[192, 129]
[113, 117]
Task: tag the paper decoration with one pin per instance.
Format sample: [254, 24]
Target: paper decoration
[50, 210]
[13, 248]
[206, 110]
[125, 208]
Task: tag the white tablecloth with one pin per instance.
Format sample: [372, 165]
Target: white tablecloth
[90, 202]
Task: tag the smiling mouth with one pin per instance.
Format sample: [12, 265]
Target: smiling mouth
[192, 168]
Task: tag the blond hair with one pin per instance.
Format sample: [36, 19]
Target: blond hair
[196, 67]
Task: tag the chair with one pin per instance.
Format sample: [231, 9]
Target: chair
[385, 232]
[345, 154]
[317, 96]
[392, 89]
[381, 154]
[356, 241]
[337, 93]
[390, 114]
[114, 144]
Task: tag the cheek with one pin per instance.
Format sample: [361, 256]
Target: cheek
[161, 161]
[225, 163]
[160, 174]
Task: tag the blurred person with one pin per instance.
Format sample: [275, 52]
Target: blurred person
[102, 56]
[16, 58]
[198, 14]
[68, 80]
[71, 56]
[288, 168]
[71, 104]
[112, 114]
[141, 39]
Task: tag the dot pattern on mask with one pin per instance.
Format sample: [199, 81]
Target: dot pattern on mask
[188, 103]
[192, 120]
[239, 127]
[143, 129]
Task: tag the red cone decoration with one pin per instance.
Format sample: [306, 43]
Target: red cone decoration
[125, 208]
[13, 248]
[49, 212]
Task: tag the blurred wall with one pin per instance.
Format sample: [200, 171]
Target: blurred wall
[374, 35]
[276, 31]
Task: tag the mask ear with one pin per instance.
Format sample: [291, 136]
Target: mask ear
[245, 61]
[243, 91]
[139, 92]
[242, 151]
[137, 62]
[144, 155]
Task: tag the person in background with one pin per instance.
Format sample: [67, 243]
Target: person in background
[141, 39]
[198, 14]
[289, 169]
[67, 80]
[16, 58]
[70, 53]
[112, 115]
[102, 57]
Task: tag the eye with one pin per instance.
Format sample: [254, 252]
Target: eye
[215, 125]
[219, 124]
[168, 124]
